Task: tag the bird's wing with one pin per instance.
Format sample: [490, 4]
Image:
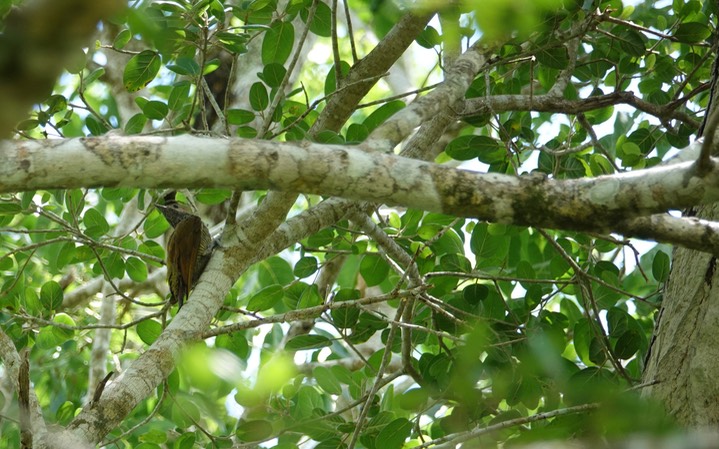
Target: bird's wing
[185, 244]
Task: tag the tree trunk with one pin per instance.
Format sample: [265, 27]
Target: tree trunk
[684, 354]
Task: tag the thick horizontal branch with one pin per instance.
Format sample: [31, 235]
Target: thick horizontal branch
[689, 232]
[551, 103]
[596, 204]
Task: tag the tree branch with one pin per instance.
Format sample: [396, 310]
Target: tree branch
[591, 204]
[550, 103]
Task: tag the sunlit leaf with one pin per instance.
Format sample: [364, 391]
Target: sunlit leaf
[140, 70]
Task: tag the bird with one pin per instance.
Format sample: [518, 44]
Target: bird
[188, 249]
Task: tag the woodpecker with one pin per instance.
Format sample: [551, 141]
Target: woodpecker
[188, 249]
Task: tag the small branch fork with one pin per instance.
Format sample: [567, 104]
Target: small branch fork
[704, 163]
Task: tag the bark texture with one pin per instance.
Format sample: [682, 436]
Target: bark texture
[685, 349]
[684, 353]
[610, 203]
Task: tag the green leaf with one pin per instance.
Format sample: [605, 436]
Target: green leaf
[306, 401]
[273, 74]
[632, 42]
[155, 225]
[310, 297]
[135, 124]
[413, 399]
[374, 269]
[155, 110]
[462, 149]
[582, 339]
[278, 42]
[488, 248]
[75, 60]
[213, 196]
[266, 298]
[152, 248]
[328, 136]
[6, 262]
[429, 37]
[356, 133]
[27, 125]
[239, 116]
[122, 38]
[9, 208]
[185, 66]
[115, 265]
[140, 70]
[62, 334]
[46, 338]
[306, 266]
[65, 412]
[486, 149]
[56, 103]
[454, 262]
[275, 270]
[331, 78]
[393, 435]
[382, 113]
[179, 95]
[136, 269]
[95, 127]
[597, 353]
[660, 266]
[32, 302]
[233, 42]
[149, 330]
[258, 97]
[93, 76]
[185, 411]
[74, 201]
[327, 380]
[211, 65]
[554, 57]
[346, 317]
[618, 321]
[185, 441]
[51, 295]
[95, 223]
[692, 32]
[254, 430]
[155, 436]
[305, 342]
[235, 342]
[627, 345]
[322, 23]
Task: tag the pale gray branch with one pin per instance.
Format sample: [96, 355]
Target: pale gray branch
[589, 204]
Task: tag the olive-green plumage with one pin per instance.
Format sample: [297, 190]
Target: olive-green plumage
[188, 249]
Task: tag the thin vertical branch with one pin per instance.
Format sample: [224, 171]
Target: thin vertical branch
[350, 33]
[280, 93]
[386, 357]
[335, 46]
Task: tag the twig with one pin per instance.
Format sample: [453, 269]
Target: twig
[310, 312]
[335, 46]
[704, 163]
[386, 357]
[586, 289]
[451, 441]
[280, 95]
[350, 33]
[213, 102]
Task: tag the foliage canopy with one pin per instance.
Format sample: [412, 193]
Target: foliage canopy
[415, 329]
